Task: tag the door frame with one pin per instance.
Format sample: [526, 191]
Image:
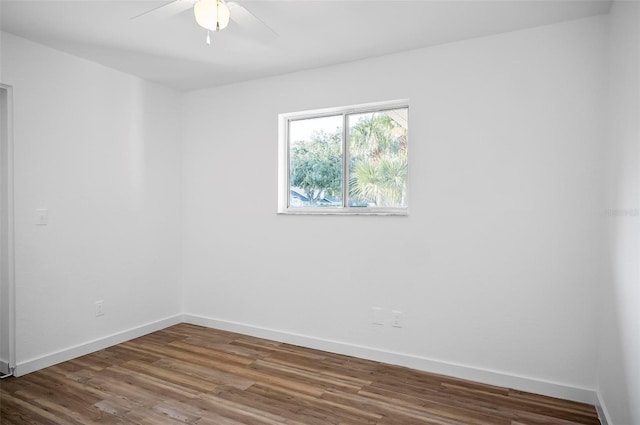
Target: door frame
[7, 250]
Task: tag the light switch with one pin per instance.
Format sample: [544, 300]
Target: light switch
[42, 217]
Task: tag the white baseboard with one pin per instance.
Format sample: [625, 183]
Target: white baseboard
[603, 414]
[32, 365]
[490, 377]
[4, 367]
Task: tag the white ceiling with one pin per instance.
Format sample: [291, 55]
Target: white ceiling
[311, 33]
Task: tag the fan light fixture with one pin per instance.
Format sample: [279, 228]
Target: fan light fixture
[212, 14]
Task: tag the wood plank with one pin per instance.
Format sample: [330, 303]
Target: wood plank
[188, 374]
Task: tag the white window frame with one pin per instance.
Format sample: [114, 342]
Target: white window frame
[284, 160]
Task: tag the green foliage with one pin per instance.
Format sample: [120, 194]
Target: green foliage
[377, 164]
[316, 166]
[381, 182]
[378, 171]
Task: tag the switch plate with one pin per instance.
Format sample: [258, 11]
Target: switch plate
[396, 319]
[99, 308]
[42, 216]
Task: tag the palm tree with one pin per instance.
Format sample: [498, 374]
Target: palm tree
[378, 169]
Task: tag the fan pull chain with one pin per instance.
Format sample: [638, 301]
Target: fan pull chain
[217, 15]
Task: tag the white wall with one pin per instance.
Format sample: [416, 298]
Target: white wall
[100, 150]
[619, 343]
[497, 265]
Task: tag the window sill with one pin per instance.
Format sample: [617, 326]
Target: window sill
[345, 211]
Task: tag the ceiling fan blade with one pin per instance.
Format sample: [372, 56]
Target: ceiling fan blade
[166, 10]
[251, 24]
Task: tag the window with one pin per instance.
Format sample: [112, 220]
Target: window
[350, 160]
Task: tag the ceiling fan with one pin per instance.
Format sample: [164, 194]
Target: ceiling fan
[214, 15]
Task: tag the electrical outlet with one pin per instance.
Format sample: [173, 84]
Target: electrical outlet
[99, 308]
[396, 319]
[42, 216]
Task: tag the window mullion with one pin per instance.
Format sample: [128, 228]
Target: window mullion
[288, 162]
[345, 162]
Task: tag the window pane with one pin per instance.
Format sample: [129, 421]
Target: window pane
[315, 162]
[378, 159]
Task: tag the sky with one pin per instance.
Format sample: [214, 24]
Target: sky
[303, 129]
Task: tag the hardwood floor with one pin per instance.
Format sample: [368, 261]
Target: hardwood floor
[195, 375]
